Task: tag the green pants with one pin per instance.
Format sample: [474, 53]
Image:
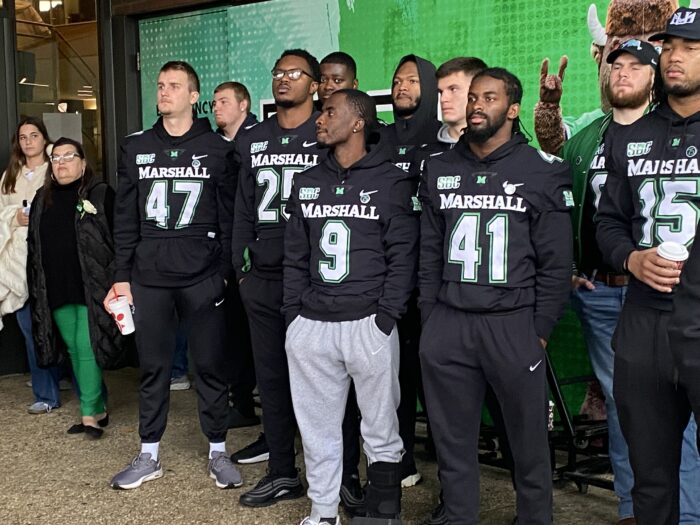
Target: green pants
[72, 322]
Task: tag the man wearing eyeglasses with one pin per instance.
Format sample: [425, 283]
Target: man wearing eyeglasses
[270, 154]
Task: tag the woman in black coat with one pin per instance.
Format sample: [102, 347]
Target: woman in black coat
[69, 269]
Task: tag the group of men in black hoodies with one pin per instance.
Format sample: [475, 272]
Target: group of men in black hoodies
[340, 260]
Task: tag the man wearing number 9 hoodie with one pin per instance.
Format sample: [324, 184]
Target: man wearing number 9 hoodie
[351, 250]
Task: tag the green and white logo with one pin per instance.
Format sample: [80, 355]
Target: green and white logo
[173, 154]
[287, 139]
[637, 149]
[449, 183]
[340, 190]
[145, 158]
[568, 198]
[309, 194]
[417, 206]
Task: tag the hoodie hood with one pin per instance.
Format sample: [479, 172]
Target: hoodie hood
[444, 135]
[376, 154]
[200, 126]
[422, 127]
[499, 153]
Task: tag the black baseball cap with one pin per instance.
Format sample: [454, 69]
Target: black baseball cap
[641, 50]
[685, 23]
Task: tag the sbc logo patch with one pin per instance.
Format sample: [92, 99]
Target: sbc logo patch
[309, 194]
[449, 183]
[145, 158]
[637, 149]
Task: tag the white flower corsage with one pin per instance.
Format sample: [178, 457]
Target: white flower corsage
[85, 206]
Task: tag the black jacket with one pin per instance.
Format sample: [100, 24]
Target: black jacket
[496, 233]
[269, 157]
[351, 243]
[96, 256]
[174, 206]
[684, 325]
[404, 136]
[651, 194]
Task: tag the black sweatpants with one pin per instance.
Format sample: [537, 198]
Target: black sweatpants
[262, 299]
[198, 311]
[242, 369]
[653, 412]
[460, 354]
[409, 327]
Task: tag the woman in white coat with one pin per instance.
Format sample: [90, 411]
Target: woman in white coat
[25, 174]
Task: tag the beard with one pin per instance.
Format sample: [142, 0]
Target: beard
[404, 112]
[284, 103]
[636, 99]
[481, 135]
[683, 90]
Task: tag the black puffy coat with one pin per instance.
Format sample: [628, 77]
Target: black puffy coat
[96, 256]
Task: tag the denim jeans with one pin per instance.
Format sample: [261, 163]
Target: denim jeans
[598, 310]
[44, 380]
[180, 365]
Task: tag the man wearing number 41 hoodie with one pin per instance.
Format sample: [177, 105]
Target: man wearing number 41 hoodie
[495, 259]
[351, 249]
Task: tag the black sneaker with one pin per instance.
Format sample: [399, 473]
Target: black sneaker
[256, 452]
[438, 517]
[271, 489]
[237, 420]
[352, 497]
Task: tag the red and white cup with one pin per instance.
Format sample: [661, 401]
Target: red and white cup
[122, 314]
[673, 251]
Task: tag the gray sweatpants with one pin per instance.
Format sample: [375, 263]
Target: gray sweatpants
[322, 357]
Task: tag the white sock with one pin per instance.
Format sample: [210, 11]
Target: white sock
[150, 448]
[217, 447]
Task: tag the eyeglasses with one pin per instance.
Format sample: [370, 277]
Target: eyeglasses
[66, 157]
[292, 74]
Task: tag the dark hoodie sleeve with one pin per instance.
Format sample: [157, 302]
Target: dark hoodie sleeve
[225, 199]
[401, 233]
[244, 215]
[684, 325]
[127, 225]
[613, 218]
[552, 239]
[296, 259]
[432, 234]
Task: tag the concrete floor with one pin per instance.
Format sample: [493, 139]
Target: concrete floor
[49, 477]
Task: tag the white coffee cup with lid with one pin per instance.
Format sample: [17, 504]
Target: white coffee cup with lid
[673, 251]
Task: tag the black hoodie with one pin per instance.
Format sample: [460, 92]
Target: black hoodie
[652, 193]
[269, 157]
[495, 232]
[351, 243]
[405, 136]
[174, 207]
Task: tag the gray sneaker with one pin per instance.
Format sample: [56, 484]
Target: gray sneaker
[39, 408]
[223, 472]
[142, 468]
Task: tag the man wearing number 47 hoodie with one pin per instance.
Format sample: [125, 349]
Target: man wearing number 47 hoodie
[350, 259]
